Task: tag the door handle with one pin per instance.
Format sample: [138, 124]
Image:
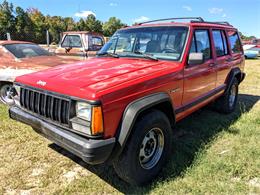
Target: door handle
[229, 60]
[212, 64]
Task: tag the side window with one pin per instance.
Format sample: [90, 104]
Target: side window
[220, 42]
[97, 41]
[224, 37]
[71, 41]
[201, 43]
[234, 42]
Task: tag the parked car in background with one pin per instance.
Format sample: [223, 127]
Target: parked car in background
[251, 54]
[122, 106]
[18, 58]
[80, 44]
[251, 51]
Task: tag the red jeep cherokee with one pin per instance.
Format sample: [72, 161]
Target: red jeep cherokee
[122, 105]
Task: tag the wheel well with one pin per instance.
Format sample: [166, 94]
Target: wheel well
[239, 77]
[4, 82]
[165, 107]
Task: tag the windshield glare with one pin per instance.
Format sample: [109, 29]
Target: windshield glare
[26, 50]
[160, 42]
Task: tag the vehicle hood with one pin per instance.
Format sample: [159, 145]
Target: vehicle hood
[86, 78]
[43, 62]
[34, 63]
[11, 68]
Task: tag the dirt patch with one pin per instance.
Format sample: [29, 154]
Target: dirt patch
[75, 173]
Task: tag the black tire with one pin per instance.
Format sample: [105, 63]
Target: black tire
[223, 104]
[129, 166]
[4, 89]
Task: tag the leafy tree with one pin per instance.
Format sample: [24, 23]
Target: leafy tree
[7, 19]
[56, 25]
[70, 24]
[81, 25]
[39, 25]
[246, 38]
[31, 25]
[23, 25]
[111, 26]
[92, 24]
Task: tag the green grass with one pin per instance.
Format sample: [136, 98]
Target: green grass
[212, 154]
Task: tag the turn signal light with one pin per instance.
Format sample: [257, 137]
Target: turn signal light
[97, 121]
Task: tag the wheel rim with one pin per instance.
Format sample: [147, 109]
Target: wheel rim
[5, 94]
[232, 95]
[151, 148]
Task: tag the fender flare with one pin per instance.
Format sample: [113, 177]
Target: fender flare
[232, 76]
[133, 110]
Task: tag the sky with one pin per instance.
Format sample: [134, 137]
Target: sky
[243, 14]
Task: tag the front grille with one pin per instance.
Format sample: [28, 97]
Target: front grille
[46, 105]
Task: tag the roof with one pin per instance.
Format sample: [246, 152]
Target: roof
[82, 32]
[7, 42]
[199, 24]
[193, 21]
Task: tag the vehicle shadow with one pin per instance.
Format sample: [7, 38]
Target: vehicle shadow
[191, 136]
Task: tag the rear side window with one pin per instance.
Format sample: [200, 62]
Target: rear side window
[201, 43]
[220, 42]
[234, 42]
[72, 41]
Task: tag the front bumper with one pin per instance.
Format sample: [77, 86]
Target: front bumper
[90, 150]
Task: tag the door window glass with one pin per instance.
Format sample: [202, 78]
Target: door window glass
[97, 41]
[201, 43]
[220, 43]
[225, 42]
[72, 41]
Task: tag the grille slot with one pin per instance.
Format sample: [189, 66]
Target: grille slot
[46, 105]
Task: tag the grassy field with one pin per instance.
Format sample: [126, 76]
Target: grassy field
[213, 154]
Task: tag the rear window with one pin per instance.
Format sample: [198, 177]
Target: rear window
[234, 42]
[26, 50]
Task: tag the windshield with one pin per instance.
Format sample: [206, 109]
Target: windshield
[159, 42]
[26, 50]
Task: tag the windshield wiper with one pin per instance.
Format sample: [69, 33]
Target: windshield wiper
[148, 56]
[114, 55]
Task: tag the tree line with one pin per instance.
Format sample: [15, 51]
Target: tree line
[31, 24]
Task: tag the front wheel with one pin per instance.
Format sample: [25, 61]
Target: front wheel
[5, 97]
[147, 149]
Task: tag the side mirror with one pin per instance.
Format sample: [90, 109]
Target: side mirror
[195, 58]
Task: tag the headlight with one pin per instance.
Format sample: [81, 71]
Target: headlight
[83, 111]
[88, 120]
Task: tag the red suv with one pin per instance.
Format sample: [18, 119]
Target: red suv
[121, 106]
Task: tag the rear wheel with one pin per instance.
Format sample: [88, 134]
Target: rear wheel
[227, 102]
[5, 90]
[147, 149]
